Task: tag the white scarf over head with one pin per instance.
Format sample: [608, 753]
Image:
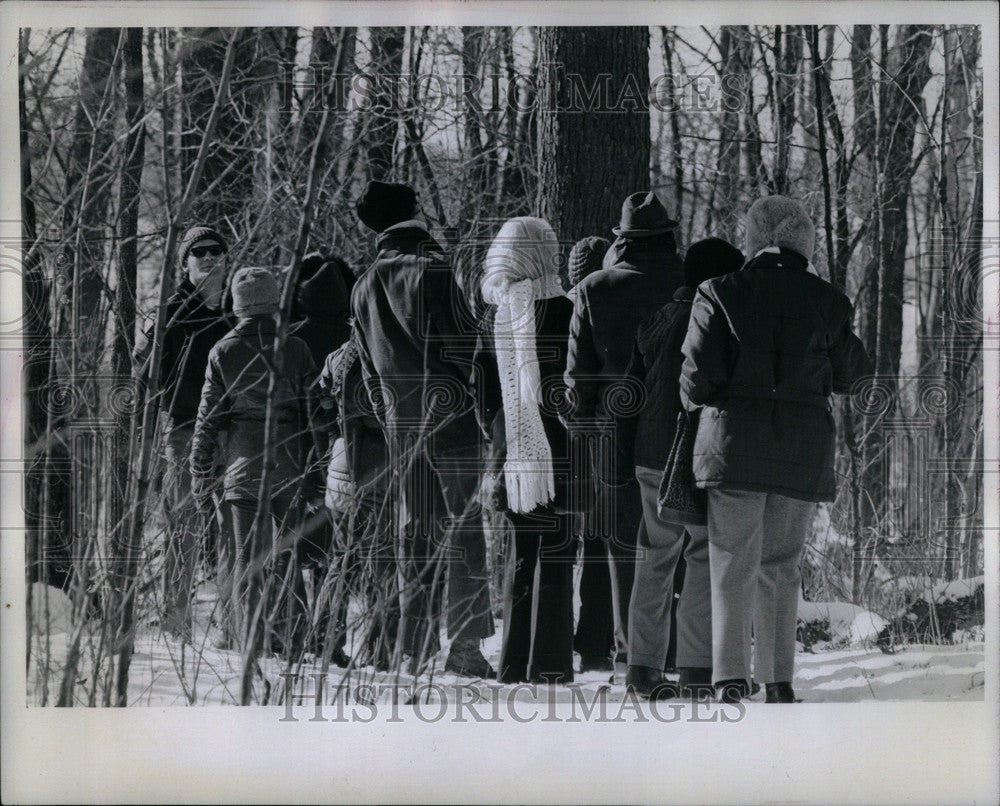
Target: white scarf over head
[522, 267]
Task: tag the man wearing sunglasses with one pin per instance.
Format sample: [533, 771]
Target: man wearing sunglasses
[195, 322]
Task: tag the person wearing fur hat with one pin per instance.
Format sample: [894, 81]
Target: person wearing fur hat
[234, 401]
[765, 349]
[526, 333]
[641, 273]
[416, 341]
[648, 436]
[195, 321]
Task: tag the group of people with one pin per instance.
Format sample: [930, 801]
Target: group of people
[409, 407]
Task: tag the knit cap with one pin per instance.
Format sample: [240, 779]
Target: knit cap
[710, 258]
[192, 236]
[383, 204]
[779, 221]
[255, 292]
[586, 257]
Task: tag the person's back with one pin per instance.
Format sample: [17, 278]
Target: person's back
[409, 315]
[766, 381]
[642, 272]
[240, 362]
[323, 303]
[765, 348]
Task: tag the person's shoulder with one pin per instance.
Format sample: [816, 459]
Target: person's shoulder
[229, 342]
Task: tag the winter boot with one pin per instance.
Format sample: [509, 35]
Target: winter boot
[648, 683]
[780, 692]
[731, 691]
[696, 683]
[466, 659]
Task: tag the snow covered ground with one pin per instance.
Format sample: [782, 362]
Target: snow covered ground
[165, 672]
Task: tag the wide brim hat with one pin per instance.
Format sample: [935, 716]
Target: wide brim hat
[643, 215]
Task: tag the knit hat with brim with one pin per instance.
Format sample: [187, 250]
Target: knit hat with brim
[386, 203]
[192, 236]
[255, 292]
[710, 258]
[586, 257]
[782, 222]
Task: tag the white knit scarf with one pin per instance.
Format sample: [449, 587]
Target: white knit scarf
[520, 269]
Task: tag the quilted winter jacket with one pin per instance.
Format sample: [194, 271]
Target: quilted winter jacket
[234, 400]
[765, 349]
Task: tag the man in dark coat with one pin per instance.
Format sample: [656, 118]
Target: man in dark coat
[765, 349]
[642, 272]
[656, 364]
[195, 322]
[416, 340]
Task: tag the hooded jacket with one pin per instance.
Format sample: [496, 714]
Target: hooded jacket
[765, 349]
[323, 304]
[640, 277]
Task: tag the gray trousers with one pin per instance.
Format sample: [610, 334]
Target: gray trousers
[755, 543]
[659, 548]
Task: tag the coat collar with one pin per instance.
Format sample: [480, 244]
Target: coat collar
[782, 257]
[405, 233]
[264, 325]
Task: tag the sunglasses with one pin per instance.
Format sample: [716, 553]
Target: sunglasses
[202, 251]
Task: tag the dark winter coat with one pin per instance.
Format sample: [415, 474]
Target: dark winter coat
[640, 277]
[343, 392]
[656, 364]
[416, 340]
[234, 400]
[552, 318]
[192, 331]
[765, 349]
[323, 304]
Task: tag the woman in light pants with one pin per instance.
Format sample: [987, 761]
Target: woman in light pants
[765, 349]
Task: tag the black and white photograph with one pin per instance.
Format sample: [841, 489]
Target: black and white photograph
[455, 367]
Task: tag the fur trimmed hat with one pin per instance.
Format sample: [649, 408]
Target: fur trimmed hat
[586, 257]
[255, 292]
[192, 236]
[711, 257]
[386, 203]
[779, 221]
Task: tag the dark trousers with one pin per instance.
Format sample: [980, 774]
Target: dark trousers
[595, 630]
[618, 515]
[443, 541]
[268, 602]
[538, 600]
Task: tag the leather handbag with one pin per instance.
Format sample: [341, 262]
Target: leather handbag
[679, 499]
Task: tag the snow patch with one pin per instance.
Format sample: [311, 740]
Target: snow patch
[848, 623]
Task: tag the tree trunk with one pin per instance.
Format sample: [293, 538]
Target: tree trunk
[386, 60]
[588, 161]
[122, 395]
[727, 198]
